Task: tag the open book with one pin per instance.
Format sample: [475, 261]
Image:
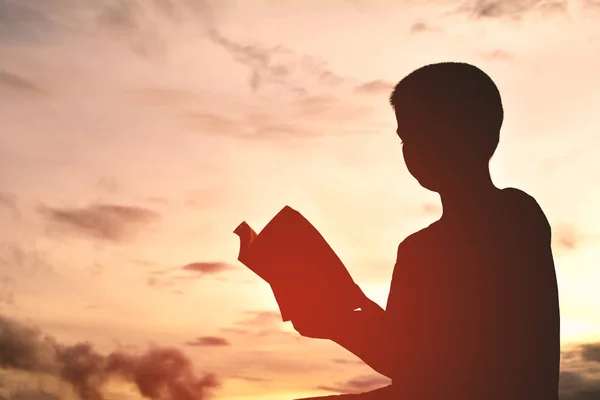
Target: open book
[305, 274]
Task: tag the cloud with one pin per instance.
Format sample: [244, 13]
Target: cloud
[207, 268]
[347, 362]
[375, 87]
[168, 278]
[107, 222]
[23, 261]
[22, 23]
[499, 55]
[259, 324]
[32, 394]
[431, 209]
[575, 386]
[16, 83]
[210, 341]
[159, 283]
[7, 295]
[358, 384]
[261, 318]
[9, 202]
[160, 373]
[275, 65]
[565, 237]
[249, 378]
[591, 352]
[481, 9]
[580, 373]
[422, 27]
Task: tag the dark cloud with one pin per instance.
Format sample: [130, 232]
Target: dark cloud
[511, 8]
[207, 267]
[576, 386]
[591, 352]
[160, 373]
[119, 15]
[577, 378]
[17, 83]
[358, 385]
[107, 222]
[32, 394]
[375, 87]
[209, 341]
[22, 23]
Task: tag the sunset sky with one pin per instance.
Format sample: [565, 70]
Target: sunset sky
[135, 135]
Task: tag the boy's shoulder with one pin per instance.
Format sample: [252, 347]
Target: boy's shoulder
[416, 240]
[527, 211]
[513, 204]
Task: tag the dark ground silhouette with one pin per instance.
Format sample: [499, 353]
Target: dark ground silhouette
[473, 308]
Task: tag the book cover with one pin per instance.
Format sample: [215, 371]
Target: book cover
[304, 272]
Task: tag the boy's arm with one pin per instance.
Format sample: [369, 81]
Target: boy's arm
[368, 334]
[372, 334]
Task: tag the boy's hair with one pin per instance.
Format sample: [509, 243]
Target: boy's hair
[455, 98]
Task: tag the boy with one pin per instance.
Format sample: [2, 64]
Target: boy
[473, 307]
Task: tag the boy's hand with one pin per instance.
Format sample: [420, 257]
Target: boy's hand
[338, 324]
[323, 325]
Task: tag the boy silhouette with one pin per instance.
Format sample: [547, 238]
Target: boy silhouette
[473, 310]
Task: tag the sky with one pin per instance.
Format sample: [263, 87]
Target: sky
[135, 135]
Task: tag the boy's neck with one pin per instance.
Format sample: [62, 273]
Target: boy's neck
[465, 199]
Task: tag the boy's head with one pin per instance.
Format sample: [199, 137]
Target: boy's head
[449, 117]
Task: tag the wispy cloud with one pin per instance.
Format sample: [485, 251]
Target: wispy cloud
[343, 361]
[259, 324]
[422, 27]
[107, 222]
[207, 268]
[276, 65]
[160, 370]
[7, 295]
[511, 8]
[208, 341]
[375, 87]
[8, 202]
[566, 237]
[358, 384]
[20, 22]
[23, 260]
[16, 83]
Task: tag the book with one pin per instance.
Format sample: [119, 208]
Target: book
[305, 274]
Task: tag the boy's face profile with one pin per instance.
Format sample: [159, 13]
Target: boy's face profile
[435, 157]
[449, 117]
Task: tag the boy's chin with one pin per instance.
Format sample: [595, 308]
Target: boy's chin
[429, 185]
